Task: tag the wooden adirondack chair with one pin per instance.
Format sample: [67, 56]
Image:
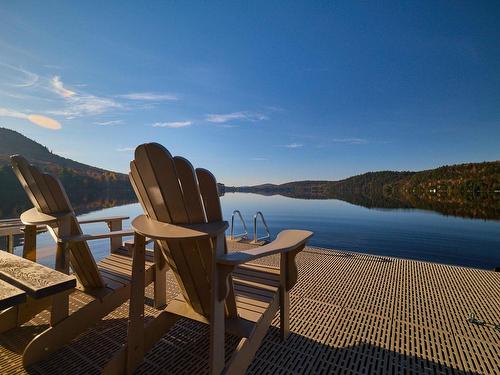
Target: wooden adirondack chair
[183, 214]
[106, 282]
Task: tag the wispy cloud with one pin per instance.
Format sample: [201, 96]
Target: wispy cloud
[80, 104]
[173, 124]
[109, 123]
[293, 145]
[149, 96]
[259, 159]
[17, 76]
[351, 141]
[29, 79]
[73, 101]
[59, 88]
[228, 126]
[43, 121]
[125, 149]
[241, 116]
[89, 105]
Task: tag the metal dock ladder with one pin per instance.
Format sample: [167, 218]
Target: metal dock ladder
[244, 235]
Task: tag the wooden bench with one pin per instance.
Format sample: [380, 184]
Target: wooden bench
[36, 280]
[10, 295]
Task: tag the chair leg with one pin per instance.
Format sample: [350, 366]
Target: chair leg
[153, 332]
[217, 339]
[245, 352]
[284, 296]
[29, 247]
[284, 314]
[160, 281]
[217, 323]
[135, 328]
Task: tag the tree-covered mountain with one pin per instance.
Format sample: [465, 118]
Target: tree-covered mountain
[467, 190]
[466, 178]
[87, 187]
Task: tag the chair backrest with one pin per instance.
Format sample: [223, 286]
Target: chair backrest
[48, 196]
[171, 191]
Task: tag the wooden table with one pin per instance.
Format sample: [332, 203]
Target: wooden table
[20, 278]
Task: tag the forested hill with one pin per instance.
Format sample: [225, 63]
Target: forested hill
[86, 185]
[462, 178]
[12, 142]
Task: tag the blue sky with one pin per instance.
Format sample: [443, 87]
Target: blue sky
[256, 91]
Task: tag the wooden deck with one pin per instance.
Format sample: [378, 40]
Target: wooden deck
[350, 313]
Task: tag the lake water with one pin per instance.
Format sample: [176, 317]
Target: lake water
[404, 233]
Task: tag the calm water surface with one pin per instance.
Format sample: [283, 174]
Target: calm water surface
[404, 233]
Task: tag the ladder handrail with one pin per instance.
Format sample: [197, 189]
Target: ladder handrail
[266, 237]
[241, 235]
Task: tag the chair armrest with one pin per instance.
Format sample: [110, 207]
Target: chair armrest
[35, 217]
[287, 240]
[164, 231]
[147, 241]
[103, 219]
[89, 237]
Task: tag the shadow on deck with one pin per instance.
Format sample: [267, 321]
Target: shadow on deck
[350, 313]
[184, 348]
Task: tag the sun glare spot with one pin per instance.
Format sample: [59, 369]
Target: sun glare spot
[45, 122]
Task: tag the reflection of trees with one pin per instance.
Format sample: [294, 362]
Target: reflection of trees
[466, 190]
[12, 206]
[85, 194]
[83, 203]
[469, 205]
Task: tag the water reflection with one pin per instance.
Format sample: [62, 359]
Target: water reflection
[475, 206]
[402, 232]
[393, 228]
[14, 204]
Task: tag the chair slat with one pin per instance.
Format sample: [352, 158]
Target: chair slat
[155, 177]
[163, 167]
[48, 195]
[191, 190]
[81, 259]
[201, 250]
[58, 193]
[210, 197]
[140, 191]
[16, 161]
[188, 255]
[183, 270]
[147, 175]
[211, 202]
[41, 184]
[171, 191]
[83, 263]
[23, 171]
